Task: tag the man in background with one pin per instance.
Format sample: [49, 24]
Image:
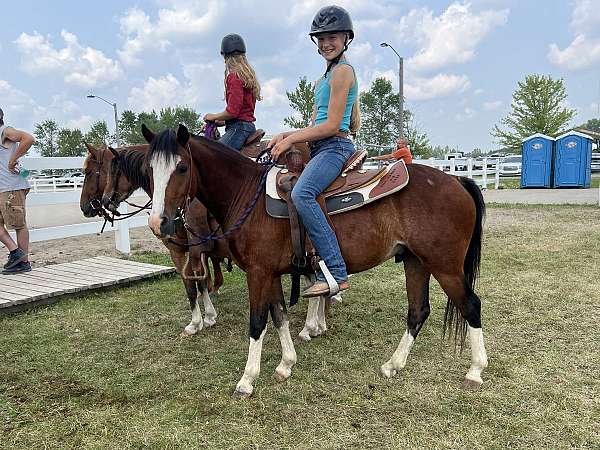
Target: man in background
[401, 152]
[13, 191]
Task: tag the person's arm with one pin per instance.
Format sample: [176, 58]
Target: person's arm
[342, 80]
[383, 157]
[25, 141]
[235, 96]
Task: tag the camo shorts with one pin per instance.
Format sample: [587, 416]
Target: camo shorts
[12, 209]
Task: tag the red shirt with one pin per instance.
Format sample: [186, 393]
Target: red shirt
[240, 100]
[403, 153]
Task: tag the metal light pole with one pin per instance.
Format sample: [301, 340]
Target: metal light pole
[114, 105]
[400, 85]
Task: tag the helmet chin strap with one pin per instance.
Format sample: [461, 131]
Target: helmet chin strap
[336, 60]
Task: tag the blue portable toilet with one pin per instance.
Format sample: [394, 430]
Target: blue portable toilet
[536, 168]
[573, 160]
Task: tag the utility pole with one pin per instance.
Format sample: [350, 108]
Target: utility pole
[400, 87]
[114, 105]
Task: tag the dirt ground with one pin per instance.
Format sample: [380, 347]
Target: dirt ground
[80, 247]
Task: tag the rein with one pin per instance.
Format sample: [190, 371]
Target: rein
[213, 236]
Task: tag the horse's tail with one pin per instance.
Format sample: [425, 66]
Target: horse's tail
[452, 317]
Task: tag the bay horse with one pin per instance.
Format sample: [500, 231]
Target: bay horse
[98, 167]
[433, 225]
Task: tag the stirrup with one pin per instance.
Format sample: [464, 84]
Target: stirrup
[334, 287]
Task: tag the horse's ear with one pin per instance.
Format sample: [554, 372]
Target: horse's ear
[148, 135]
[183, 135]
[114, 152]
[91, 149]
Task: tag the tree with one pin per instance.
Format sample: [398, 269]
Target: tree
[537, 107]
[70, 142]
[380, 117]
[98, 134]
[172, 117]
[591, 125]
[302, 101]
[46, 137]
[129, 131]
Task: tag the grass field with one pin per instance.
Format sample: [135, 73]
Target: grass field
[515, 182]
[108, 370]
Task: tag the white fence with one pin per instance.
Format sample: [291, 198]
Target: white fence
[53, 192]
[489, 173]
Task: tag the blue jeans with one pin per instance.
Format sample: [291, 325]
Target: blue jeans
[328, 157]
[236, 133]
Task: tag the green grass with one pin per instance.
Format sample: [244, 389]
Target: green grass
[108, 370]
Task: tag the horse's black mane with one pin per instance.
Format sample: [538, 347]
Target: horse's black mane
[165, 143]
[132, 165]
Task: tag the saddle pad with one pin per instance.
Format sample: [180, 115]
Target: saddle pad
[395, 179]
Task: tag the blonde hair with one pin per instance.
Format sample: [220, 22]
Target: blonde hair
[355, 117]
[239, 65]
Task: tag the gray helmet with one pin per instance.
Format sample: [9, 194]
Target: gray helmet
[233, 44]
[332, 19]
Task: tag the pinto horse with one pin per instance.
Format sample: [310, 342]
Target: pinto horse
[98, 167]
[434, 225]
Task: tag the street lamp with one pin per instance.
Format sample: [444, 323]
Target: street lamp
[114, 105]
[400, 85]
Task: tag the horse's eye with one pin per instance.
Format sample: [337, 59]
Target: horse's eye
[182, 168]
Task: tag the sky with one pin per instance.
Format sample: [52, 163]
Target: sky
[462, 59]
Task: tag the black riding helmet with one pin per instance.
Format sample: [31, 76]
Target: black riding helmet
[332, 19]
[233, 44]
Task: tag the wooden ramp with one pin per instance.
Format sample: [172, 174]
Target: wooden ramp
[42, 284]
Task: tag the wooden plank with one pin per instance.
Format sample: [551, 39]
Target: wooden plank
[135, 263]
[79, 272]
[111, 267]
[22, 293]
[6, 281]
[36, 275]
[5, 303]
[37, 281]
[118, 274]
[83, 271]
[91, 282]
[11, 297]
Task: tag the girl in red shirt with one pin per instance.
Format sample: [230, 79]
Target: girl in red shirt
[242, 90]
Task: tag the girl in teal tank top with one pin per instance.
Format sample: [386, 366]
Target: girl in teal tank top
[335, 115]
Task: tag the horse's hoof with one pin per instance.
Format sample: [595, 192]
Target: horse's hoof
[337, 298]
[282, 375]
[304, 336]
[388, 371]
[208, 323]
[240, 395]
[188, 331]
[471, 385]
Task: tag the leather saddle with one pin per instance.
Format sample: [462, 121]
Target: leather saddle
[354, 187]
[254, 144]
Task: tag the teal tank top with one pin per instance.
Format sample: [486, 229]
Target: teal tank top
[322, 93]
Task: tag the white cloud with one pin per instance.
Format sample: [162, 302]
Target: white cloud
[273, 92]
[183, 22]
[466, 114]
[478, 91]
[584, 49]
[441, 85]
[83, 122]
[157, 93]
[450, 38]
[492, 105]
[81, 66]
[582, 53]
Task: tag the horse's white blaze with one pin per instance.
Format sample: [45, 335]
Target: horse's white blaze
[288, 352]
[196, 324]
[478, 355]
[162, 169]
[252, 370]
[210, 314]
[398, 359]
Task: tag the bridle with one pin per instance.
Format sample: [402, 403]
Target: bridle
[215, 235]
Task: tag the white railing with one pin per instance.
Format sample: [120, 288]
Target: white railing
[53, 192]
[489, 173]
